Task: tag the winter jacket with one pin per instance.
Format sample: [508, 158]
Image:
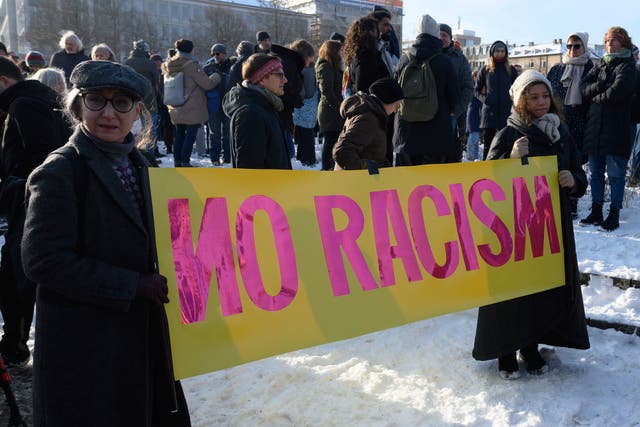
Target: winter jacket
[330, 83]
[366, 68]
[99, 359]
[609, 87]
[556, 316]
[257, 137]
[364, 135]
[492, 88]
[435, 137]
[214, 96]
[141, 63]
[463, 78]
[236, 72]
[292, 63]
[307, 115]
[67, 61]
[196, 82]
[635, 101]
[575, 115]
[473, 115]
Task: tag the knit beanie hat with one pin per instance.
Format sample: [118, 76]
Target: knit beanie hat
[496, 45]
[526, 78]
[218, 48]
[584, 37]
[428, 25]
[184, 45]
[35, 58]
[262, 35]
[446, 29]
[337, 37]
[386, 90]
[245, 48]
[141, 46]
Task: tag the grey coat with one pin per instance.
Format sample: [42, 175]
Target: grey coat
[98, 358]
[463, 77]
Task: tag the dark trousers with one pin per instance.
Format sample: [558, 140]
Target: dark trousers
[404, 159]
[219, 136]
[487, 136]
[330, 139]
[306, 147]
[183, 144]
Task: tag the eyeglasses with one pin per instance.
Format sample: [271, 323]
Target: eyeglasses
[280, 75]
[574, 46]
[96, 102]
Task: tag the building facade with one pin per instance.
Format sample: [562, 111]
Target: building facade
[36, 24]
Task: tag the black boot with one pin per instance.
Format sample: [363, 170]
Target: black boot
[595, 217]
[508, 367]
[613, 220]
[536, 365]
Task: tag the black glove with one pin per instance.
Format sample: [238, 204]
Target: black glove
[153, 287]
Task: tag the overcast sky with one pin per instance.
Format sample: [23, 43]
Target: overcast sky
[522, 21]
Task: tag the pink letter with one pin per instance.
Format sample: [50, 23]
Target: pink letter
[333, 240]
[491, 220]
[419, 232]
[526, 218]
[463, 227]
[193, 271]
[248, 259]
[386, 204]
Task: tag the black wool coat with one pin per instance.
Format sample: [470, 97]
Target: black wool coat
[329, 80]
[67, 61]
[435, 137]
[556, 316]
[492, 88]
[609, 87]
[98, 356]
[367, 67]
[292, 64]
[257, 136]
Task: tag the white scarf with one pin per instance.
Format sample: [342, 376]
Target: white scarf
[573, 70]
[549, 124]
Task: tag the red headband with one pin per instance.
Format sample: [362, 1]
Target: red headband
[265, 70]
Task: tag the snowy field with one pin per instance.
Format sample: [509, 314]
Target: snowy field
[422, 374]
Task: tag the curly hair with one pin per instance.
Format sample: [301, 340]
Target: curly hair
[358, 37]
[521, 106]
[622, 35]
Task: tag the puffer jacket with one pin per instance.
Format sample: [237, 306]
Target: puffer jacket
[364, 135]
[196, 82]
[609, 87]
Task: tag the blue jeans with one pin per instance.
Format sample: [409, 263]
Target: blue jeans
[219, 136]
[635, 157]
[183, 144]
[615, 167]
[472, 146]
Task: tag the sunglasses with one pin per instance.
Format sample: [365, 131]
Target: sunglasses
[574, 46]
[96, 102]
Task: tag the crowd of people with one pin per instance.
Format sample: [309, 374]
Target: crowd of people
[78, 132]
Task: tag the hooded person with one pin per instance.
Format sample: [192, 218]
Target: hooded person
[253, 107]
[431, 141]
[362, 142]
[244, 50]
[88, 245]
[556, 316]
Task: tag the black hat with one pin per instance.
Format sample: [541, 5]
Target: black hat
[337, 37]
[3, 47]
[496, 45]
[107, 74]
[262, 35]
[141, 46]
[446, 29]
[184, 45]
[386, 90]
[218, 48]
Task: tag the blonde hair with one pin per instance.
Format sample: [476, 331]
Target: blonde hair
[103, 47]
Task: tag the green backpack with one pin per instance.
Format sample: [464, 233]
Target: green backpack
[418, 84]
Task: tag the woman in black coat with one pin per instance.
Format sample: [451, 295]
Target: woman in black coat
[362, 56]
[329, 76]
[102, 355]
[607, 139]
[257, 135]
[492, 88]
[556, 316]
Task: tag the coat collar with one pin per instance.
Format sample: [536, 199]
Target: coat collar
[101, 168]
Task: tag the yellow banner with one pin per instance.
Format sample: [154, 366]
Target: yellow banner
[263, 262]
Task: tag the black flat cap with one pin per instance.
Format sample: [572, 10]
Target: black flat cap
[106, 74]
[387, 90]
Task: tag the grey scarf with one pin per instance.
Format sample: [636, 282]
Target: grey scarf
[549, 124]
[274, 100]
[573, 70]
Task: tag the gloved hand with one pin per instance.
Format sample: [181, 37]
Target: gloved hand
[153, 287]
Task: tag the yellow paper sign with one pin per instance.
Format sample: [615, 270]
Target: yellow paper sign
[264, 262]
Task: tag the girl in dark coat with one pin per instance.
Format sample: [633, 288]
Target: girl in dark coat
[257, 135]
[364, 135]
[102, 355]
[556, 316]
[492, 88]
[607, 139]
[329, 76]
[362, 56]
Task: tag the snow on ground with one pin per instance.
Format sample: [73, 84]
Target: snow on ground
[422, 374]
